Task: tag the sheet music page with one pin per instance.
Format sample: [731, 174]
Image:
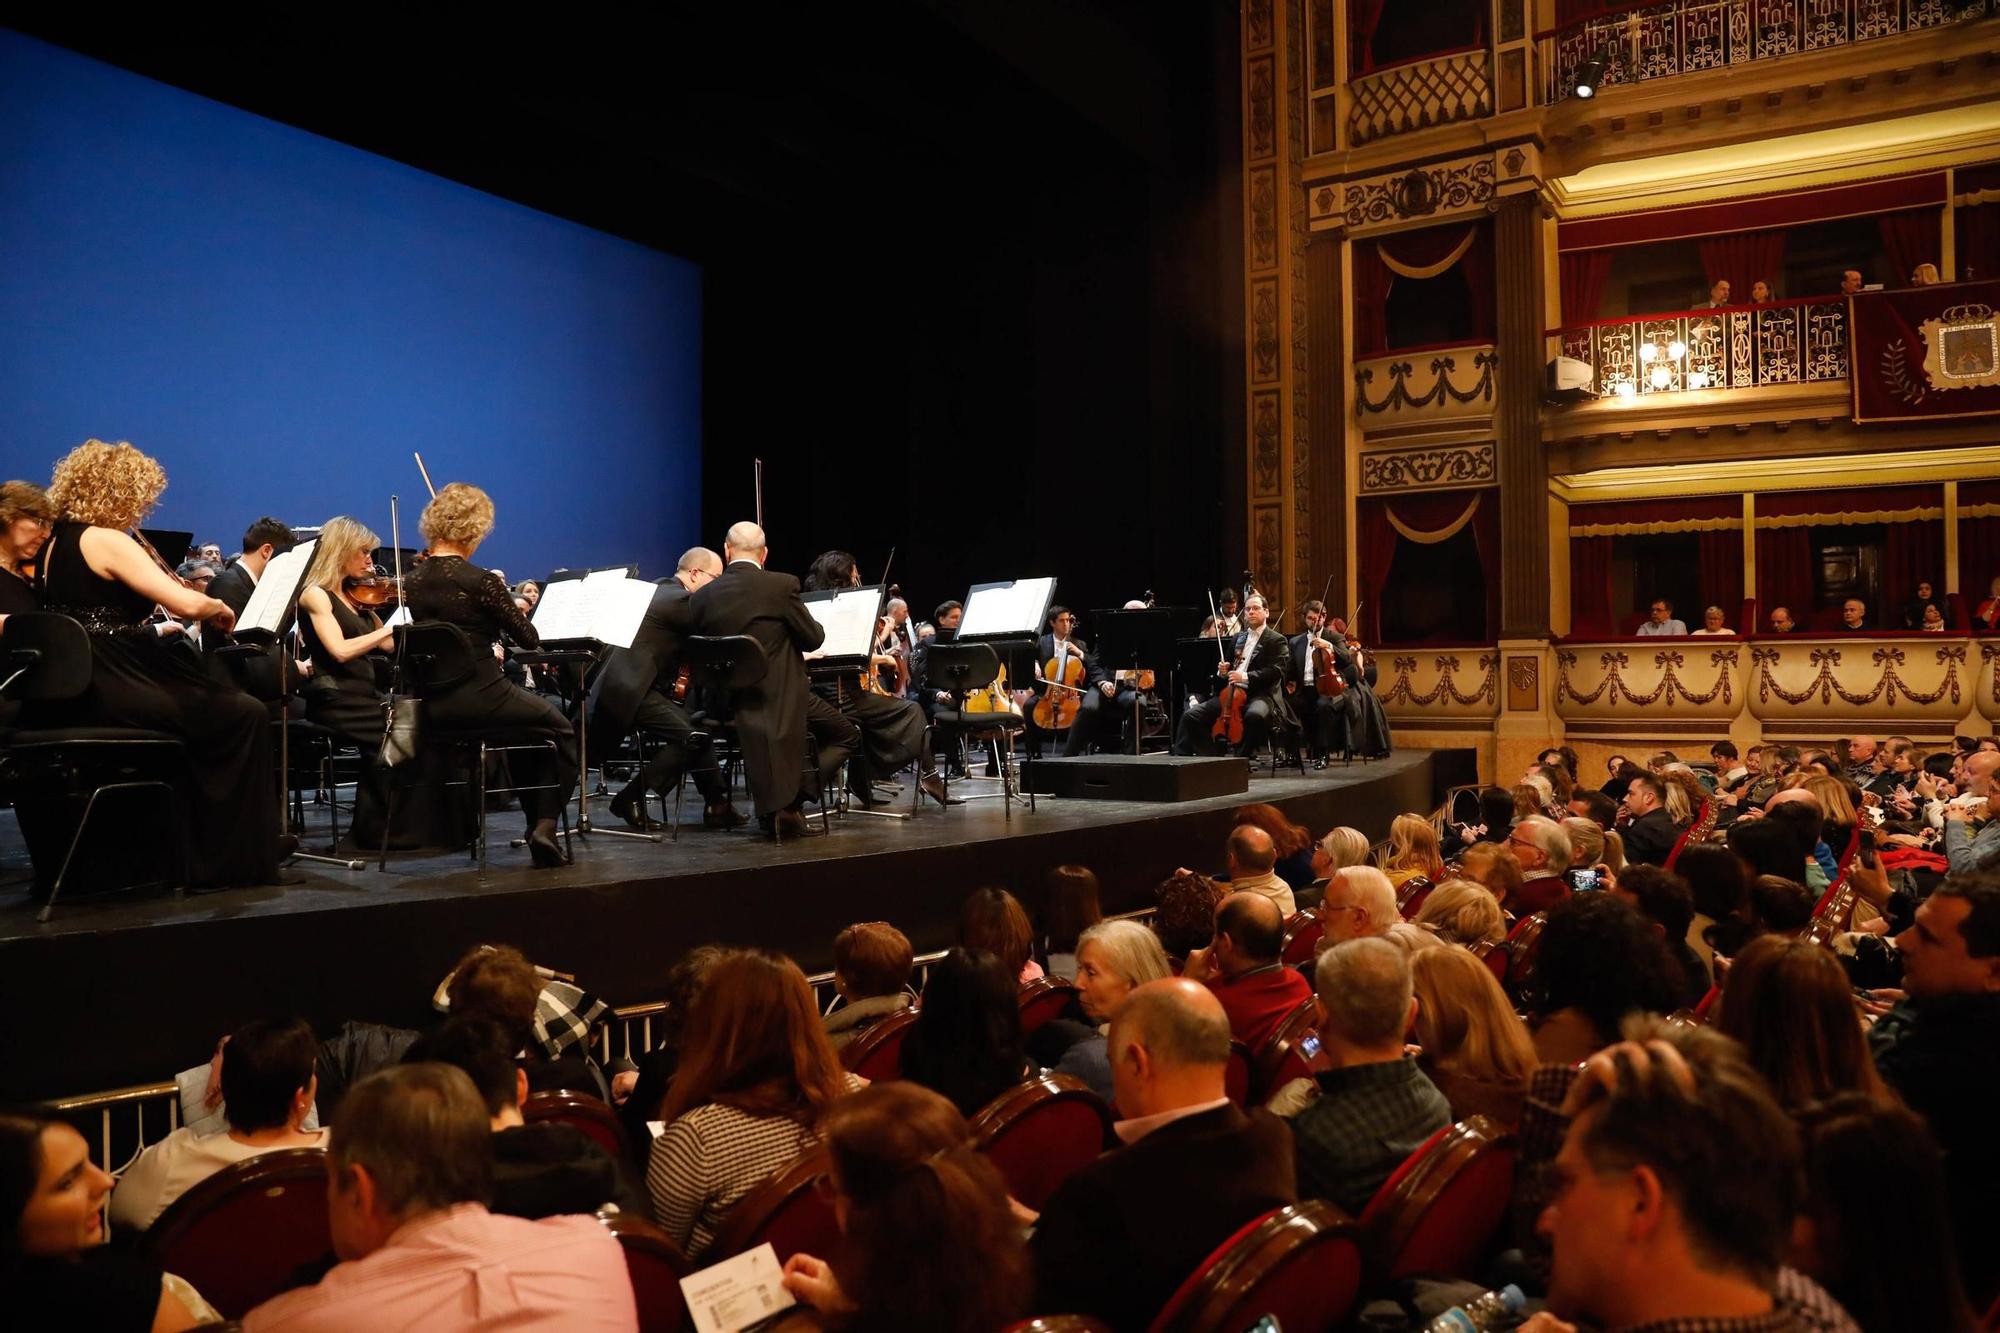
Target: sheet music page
[275, 591]
[848, 617]
[564, 611]
[621, 606]
[606, 606]
[1010, 608]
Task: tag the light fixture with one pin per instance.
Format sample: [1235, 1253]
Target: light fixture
[1647, 351]
[1677, 349]
[1590, 73]
[1627, 389]
[1662, 377]
[1697, 379]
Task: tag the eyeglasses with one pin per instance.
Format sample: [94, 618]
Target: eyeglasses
[1516, 842]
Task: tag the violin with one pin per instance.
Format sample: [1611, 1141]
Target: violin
[373, 590]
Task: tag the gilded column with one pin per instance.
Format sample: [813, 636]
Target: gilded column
[1517, 420]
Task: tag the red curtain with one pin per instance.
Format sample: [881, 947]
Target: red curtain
[1478, 267]
[1784, 571]
[1743, 258]
[1420, 249]
[1673, 509]
[1583, 273]
[1590, 587]
[1374, 551]
[1909, 239]
[1371, 292]
[1913, 553]
[1851, 500]
[1377, 541]
[1721, 574]
[1486, 539]
[1978, 559]
[1363, 16]
[1978, 241]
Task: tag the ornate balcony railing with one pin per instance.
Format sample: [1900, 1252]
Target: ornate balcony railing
[1437, 90]
[1734, 347]
[1660, 40]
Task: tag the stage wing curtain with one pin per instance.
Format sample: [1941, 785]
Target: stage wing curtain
[1721, 575]
[1784, 571]
[1590, 587]
[1371, 294]
[1383, 525]
[1743, 258]
[1909, 239]
[1583, 273]
[1363, 17]
[1913, 553]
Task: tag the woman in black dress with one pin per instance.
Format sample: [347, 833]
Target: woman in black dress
[98, 575]
[24, 526]
[449, 587]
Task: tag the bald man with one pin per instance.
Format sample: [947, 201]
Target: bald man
[771, 716]
[1243, 967]
[1965, 850]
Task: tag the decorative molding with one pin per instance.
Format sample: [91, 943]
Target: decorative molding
[1256, 25]
[1267, 544]
[1824, 687]
[1614, 687]
[1442, 392]
[1513, 25]
[1446, 689]
[1265, 446]
[1261, 126]
[1733, 476]
[1524, 684]
[1263, 218]
[1264, 331]
[1430, 468]
[1419, 95]
[1415, 194]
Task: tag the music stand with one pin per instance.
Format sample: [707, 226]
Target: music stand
[960, 668]
[849, 617]
[1142, 638]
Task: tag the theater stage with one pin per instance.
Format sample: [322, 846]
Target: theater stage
[128, 989]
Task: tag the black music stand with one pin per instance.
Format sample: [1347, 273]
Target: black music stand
[1142, 638]
[959, 669]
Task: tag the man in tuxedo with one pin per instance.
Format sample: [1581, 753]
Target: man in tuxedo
[772, 716]
[1119, 1236]
[1259, 659]
[1323, 717]
[635, 691]
[1651, 835]
[264, 539]
[1053, 653]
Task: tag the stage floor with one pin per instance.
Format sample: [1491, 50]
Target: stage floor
[130, 987]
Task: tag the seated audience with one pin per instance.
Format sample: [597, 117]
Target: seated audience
[1660, 621]
[1530, 799]
[1070, 908]
[1340, 848]
[1561, 785]
[1597, 962]
[498, 982]
[1779, 906]
[656, 1067]
[966, 1043]
[1541, 848]
[872, 961]
[756, 1074]
[1664, 899]
[1719, 883]
[1112, 958]
[1294, 842]
[1714, 623]
[55, 1271]
[1184, 913]
[1935, 1049]
[409, 1170]
[1375, 1106]
[1781, 621]
[1651, 834]
[1986, 617]
[1489, 864]
[1788, 1004]
[1463, 912]
[1412, 852]
[1242, 967]
[1496, 816]
[539, 1170]
[1358, 902]
[1621, 770]
[1854, 615]
[929, 1239]
[1586, 842]
[1476, 1049]
[1253, 857]
[267, 1093]
[993, 919]
[1966, 851]
[1119, 1236]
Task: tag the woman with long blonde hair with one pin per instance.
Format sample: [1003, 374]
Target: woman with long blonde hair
[1412, 851]
[1476, 1048]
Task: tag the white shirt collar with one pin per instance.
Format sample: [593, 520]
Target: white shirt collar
[1131, 1131]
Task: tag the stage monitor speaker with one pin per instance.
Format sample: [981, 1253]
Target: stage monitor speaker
[1124, 777]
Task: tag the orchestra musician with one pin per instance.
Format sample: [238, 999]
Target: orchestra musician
[636, 690]
[447, 586]
[264, 540]
[93, 571]
[1227, 624]
[1323, 718]
[774, 717]
[1053, 653]
[1368, 732]
[893, 730]
[1259, 659]
[25, 516]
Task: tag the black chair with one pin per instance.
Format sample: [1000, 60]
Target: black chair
[960, 669]
[724, 665]
[46, 660]
[437, 656]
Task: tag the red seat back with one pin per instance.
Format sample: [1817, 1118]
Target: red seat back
[1236, 1076]
[1302, 935]
[580, 1111]
[788, 1210]
[1043, 999]
[1041, 1132]
[1442, 1208]
[1522, 942]
[877, 1054]
[1293, 1051]
[1706, 1005]
[1495, 957]
[1301, 1264]
[1411, 894]
[656, 1266]
[1058, 1323]
[240, 1235]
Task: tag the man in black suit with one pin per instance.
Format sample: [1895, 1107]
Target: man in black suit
[635, 690]
[1054, 652]
[1118, 1237]
[1323, 717]
[1651, 835]
[265, 538]
[1259, 659]
[773, 716]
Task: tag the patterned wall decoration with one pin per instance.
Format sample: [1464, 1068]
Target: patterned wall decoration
[1264, 217]
[1263, 330]
[1432, 468]
[1403, 696]
[1297, 232]
[1667, 690]
[1435, 385]
[1256, 24]
[1263, 122]
[1438, 190]
[1825, 684]
[1265, 454]
[1267, 543]
[1524, 684]
[1420, 94]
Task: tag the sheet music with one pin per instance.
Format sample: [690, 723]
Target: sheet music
[606, 606]
[277, 589]
[848, 616]
[1006, 608]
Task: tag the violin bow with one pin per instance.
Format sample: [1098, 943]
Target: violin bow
[427, 480]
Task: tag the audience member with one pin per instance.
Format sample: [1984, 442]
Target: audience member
[1966, 851]
[1491, 865]
[1779, 906]
[1597, 962]
[1070, 907]
[1986, 616]
[1119, 1236]
[1586, 843]
[1854, 615]
[1294, 842]
[1850, 281]
[656, 1067]
[1359, 902]
[1718, 295]
[966, 1043]
[1781, 621]
[1184, 913]
[993, 919]
[1463, 912]
[1412, 851]
[1660, 620]
[1243, 968]
[267, 1092]
[1665, 899]
[1714, 624]
[410, 1171]
[1760, 291]
[1924, 275]
[756, 1074]
[1112, 958]
[540, 1170]
[498, 982]
[1541, 848]
[1788, 1004]
[1719, 884]
[1375, 1106]
[1561, 785]
[1476, 1049]
[1340, 848]
[1651, 835]
[1252, 858]
[55, 1271]
[872, 961]
[1530, 799]
[928, 1239]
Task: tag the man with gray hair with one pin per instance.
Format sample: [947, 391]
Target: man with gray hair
[409, 1173]
[1541, 848]
[1360, 902]
[1119, 1236]
[1375, 1106]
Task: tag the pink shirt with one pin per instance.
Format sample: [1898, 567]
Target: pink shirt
[467, 1268]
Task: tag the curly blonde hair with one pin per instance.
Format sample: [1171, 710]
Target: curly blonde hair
[338, 540]
[460, 513]
[106, 485]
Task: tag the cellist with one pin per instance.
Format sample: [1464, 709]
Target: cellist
[1322, 711]
[1259, 660]
[1063, 658]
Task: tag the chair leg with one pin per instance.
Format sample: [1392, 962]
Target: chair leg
[479, 800]
[90, 808]
[388, 809]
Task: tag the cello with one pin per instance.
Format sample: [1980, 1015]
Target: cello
[1062, 675]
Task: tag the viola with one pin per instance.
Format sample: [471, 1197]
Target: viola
[1229, 722]
[1326, 675]
[373, 590]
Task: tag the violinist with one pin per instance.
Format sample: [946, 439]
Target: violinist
[1368, 732]
[1258, 661]
[1227, 624]
[95, 572]
[1322, 714]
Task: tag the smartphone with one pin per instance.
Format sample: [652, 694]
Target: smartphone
[1583, 879]
[1309, 1046]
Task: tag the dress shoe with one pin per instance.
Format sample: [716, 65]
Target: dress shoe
[625, 806]
[723, 816]
[543, 849]
[788, 824]
[934, 788]
[288, 847]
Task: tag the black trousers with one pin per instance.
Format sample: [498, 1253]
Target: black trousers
[835, 739]
[506, 714]
[677, 748]
[1324, 719]
[1196, 722]
[1099, 721]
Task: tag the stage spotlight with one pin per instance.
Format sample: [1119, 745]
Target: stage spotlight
[1589, 75]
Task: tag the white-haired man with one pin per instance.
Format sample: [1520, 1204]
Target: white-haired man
[1541, 848]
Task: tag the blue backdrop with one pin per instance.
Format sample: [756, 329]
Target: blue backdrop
[281, 320]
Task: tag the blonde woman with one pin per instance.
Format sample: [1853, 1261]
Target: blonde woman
[93, 571]
[1412, 851]
[1476, 1048]
[1463, 912]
